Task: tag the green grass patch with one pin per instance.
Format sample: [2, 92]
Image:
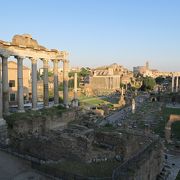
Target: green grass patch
[93, 101]
[28, 115]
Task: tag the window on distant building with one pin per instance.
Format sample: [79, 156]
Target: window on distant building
[12, 97]
[11, 83]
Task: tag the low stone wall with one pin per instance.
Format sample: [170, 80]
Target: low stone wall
[3, 134]
[53, 146]
[41, 124]
[124, 144]
[169, 98]
[146, 164]
[173, 118]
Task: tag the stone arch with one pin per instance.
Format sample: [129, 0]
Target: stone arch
[173, 118]
[153, 99]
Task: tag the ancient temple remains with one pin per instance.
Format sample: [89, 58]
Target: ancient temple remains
[23, 47]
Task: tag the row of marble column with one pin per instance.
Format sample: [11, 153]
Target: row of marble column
[175, 79]
[4, 85]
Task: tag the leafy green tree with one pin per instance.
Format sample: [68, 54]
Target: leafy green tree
[84, 72]
[148, 84]
[50, 73]
[71, 74]
[159, 80]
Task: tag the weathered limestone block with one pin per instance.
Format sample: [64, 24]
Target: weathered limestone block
[42, 124]
[26, 40]
[3, 133]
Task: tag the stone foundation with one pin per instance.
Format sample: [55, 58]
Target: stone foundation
[3, 133]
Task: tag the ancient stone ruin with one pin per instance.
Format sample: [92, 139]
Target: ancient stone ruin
[68, 137]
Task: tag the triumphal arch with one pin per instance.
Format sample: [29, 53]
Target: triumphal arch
[23, 47]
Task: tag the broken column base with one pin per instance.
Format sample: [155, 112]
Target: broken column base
[122, 101]
[3, 133]
[75, 103]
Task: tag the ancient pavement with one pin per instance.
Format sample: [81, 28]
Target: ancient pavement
[174, 164]
[13, 168]
[122, 114]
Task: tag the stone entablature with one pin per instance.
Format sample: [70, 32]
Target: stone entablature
[35, 51]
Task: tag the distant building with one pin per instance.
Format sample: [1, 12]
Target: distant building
[109, 78]
[145, 70]
[154, 73]
[13, 84]
[50, 69]
[75, 69]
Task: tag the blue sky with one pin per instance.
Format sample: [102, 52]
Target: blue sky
[98, 32]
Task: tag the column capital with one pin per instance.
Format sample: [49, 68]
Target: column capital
[63, 55]
[33, 60]
[65, 61]
[55, 60]
[4, 56]
[45, 63]
[19, 57]
[45, 60]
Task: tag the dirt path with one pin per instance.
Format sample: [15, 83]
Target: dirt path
[13, 168]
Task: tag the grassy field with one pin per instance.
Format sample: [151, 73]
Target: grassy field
[93, 101]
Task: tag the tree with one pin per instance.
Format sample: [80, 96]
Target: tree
[84, 72]
[50, 73]
[160, 80]
[148, 84]
[71, 74]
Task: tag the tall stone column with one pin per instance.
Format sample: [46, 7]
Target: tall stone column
[1, 100]
[5, 85]
[75, 86]
[172, 83]
[75, 101]
[20, 84]
[177, 83]
[56, 91]
[133, 105]
[3, 125]
[45, 81]
[65, 82]
[34, 83]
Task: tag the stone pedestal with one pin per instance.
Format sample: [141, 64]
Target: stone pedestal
[122, 101]
[75, 103]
